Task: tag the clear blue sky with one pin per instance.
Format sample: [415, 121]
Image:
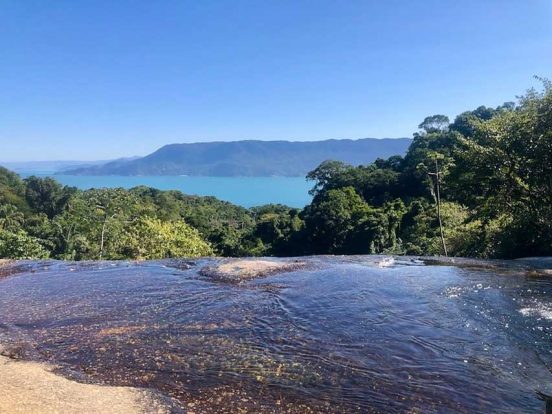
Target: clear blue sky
[102, 79]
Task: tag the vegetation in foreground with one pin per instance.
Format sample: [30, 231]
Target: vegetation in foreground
[479, 186]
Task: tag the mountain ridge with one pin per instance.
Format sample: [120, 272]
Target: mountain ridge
[250, 157]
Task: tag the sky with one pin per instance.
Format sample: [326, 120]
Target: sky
[88, 80]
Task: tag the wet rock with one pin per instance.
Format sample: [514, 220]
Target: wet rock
[10, 267]
[122, 330]
[180, 264]
[531, 266]
[239, 270]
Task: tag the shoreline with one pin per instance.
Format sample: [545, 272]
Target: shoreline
[32, 387]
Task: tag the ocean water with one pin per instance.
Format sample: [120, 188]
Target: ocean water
[243, 191]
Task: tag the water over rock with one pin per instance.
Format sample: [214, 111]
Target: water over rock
[313, 334]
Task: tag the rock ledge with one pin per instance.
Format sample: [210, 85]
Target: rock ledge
[246, 269]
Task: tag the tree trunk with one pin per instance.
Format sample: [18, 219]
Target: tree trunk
[103, 237]
[437, 181]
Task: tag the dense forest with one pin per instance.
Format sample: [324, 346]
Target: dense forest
[478, 186]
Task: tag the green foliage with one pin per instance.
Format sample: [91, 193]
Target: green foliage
[151, 238]
[495, 181]
[45, 195]
[222, 224]
[435, 124]
[376, 183]
[510, 158]
[12, 190]
[278, 230]
[20, 245]
[335, 219]
[94, 223]
[420, 229]
[11, 219]
[495, 175]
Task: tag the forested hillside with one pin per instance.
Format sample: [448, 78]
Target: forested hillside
[478, 186]
[249, 158]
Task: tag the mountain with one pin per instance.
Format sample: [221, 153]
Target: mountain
[250, 158]
[56, 166]
[39, 167]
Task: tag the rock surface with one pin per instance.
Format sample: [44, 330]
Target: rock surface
[246, 269]
[30, 387]
[321, 334]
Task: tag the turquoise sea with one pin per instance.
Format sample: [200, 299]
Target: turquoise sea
[244, 191]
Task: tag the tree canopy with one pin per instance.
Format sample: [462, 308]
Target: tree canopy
[495, 181]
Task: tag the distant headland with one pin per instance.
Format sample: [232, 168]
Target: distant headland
[251, 158]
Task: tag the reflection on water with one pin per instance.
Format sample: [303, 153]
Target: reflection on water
[345, 335]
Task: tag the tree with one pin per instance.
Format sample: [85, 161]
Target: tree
[435, 123]
[11, 219]
[151, 238]
[332, 220]
[509, 158]
[437, 174]
[376, 183]
[94, 222]
[19, 245]
[325, 174]
[47, 196]
[12, 190]
[279, 228]
[467, 122]
[427, 144]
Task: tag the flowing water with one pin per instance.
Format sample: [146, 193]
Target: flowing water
[358, 334]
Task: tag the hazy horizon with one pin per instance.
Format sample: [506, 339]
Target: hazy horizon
[23, 161]
[98, 80]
